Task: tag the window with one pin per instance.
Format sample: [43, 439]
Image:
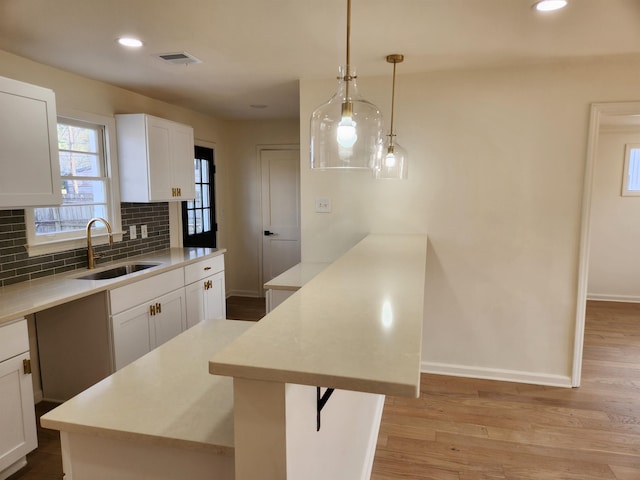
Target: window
[198, 216]
[631, 178]
[86, 183]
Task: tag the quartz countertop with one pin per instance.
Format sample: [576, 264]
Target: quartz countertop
[166, 397]
[296, 276]
[32, 296]
[357, 325]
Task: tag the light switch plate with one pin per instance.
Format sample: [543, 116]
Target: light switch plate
[143, 231]
[133, 234]
[323, 205]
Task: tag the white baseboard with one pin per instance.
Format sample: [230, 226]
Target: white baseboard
[603, 297]
[496, 374]
[243, 293]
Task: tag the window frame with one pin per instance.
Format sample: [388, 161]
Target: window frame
[55, 243]
[625, 172]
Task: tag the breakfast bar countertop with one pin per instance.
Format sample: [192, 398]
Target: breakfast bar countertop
[166, 397]
[357, 325]
[32, 296]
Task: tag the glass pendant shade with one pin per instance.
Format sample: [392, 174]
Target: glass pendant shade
[346, 131]
[393, 165]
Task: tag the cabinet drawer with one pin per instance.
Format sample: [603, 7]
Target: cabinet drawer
[205, 268]
[14, 339]
[128, 296]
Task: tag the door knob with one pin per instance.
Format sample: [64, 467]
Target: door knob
[268, 233]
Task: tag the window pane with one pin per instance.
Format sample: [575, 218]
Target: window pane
[65, 218]
[79, 164]
[634, 170]
[78, 139]
[76, 191]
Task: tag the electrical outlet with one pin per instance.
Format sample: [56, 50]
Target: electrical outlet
[143, 231]
[133, 234]
[323, 205]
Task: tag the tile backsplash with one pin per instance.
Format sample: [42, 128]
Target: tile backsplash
[16, 266]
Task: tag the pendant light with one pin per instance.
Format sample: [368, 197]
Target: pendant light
[346, 131]
[393, 162]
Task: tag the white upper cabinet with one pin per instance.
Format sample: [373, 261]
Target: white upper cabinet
[156, 159]
[28, 146]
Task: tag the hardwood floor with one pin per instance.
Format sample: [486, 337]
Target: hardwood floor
[462, 429]
[245, 308]
[467, 429]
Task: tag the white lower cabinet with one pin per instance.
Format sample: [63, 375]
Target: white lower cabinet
[138, 327]
[17, 415]
[205, 290]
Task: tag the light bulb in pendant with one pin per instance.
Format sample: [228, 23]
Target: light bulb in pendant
[347, 135]
[390, 159]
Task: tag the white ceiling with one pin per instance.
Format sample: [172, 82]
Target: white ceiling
[254, 51]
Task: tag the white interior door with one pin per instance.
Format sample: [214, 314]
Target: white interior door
[280, 211]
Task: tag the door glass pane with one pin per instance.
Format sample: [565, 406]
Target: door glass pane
[198, 221]
[191, 222]
[205, 171]
[198, 196]
[205, 196]
[206, 215]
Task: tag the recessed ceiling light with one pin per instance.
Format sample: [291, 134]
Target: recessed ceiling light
[130, 42]
[550, 5]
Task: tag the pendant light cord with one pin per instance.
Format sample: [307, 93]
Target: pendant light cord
[393, 101]
[347, 77]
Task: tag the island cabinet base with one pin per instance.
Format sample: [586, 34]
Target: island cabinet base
[90, 457]
[276, 436]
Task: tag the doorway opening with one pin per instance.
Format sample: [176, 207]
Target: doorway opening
[199, 227]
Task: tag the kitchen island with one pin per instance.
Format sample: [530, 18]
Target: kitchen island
[161, 417]
[354, 330]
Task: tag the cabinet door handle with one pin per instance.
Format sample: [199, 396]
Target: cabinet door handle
[26, 364]
[179, 191]
[152, 310]
[158, 307]
[207, 268]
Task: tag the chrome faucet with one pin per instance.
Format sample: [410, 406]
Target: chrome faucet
[91, 256]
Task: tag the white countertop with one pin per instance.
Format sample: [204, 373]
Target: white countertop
[295, 277]
[29, 297]
[166, 397]
[356, 326]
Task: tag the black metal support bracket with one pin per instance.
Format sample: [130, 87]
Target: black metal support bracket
[321, 402]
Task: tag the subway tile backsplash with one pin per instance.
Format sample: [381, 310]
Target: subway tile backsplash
[16, 266]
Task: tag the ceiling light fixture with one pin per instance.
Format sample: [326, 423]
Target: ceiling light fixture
[394, 163]
[550, 5]
[130, 42]
[346, 131]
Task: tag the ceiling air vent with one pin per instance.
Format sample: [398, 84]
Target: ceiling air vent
[179, 58]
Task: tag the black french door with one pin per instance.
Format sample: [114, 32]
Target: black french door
[199, 216]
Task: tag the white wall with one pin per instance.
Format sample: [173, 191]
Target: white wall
[496, 171]
[244, 182]
[614, 273]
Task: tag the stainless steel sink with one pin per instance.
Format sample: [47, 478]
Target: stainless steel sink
[116, 272]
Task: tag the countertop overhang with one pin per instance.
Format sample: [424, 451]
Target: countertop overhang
[32, 296]
[355, 326]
